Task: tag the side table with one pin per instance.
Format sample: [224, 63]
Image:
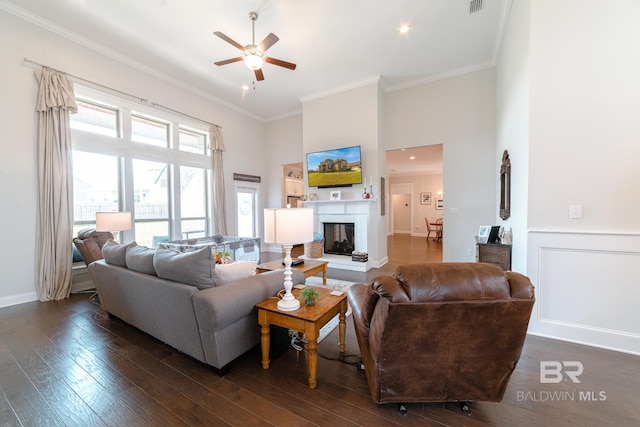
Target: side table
[307, 319]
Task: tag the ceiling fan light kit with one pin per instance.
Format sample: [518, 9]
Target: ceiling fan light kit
[253, 58]
[252, 54]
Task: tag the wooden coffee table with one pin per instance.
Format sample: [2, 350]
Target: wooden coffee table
[309, 267]
[307, 319]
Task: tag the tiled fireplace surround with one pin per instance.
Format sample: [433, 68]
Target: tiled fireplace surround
[343, 211]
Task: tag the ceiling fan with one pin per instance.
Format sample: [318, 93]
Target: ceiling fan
[252, 54]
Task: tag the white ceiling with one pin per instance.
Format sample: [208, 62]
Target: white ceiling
[336, 44]
[427, 159]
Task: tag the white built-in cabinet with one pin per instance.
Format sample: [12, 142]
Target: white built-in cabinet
[292, 184]
[294, 187]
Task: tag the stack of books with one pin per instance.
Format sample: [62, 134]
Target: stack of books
[359, 256]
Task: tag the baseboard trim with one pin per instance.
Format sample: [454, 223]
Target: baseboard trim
[18, 299]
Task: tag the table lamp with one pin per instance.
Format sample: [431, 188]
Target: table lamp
[114, 222]
[287, 226]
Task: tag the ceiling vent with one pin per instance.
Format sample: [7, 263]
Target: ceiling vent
[475, 6]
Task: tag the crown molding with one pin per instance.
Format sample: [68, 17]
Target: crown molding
[441, 76]
[110, 53]
[340, 89]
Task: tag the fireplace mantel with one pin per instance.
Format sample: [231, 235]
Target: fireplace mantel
[314, 202]
[356, 211]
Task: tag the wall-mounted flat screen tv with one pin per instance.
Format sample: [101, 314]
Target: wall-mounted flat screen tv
[340, 167]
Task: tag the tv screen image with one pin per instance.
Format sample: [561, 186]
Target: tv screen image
[340, 167]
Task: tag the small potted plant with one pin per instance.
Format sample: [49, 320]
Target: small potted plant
[309, 295]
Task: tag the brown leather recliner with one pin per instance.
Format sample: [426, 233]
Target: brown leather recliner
[441, 332]
[89, 243]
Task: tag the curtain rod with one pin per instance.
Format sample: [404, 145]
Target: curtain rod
[155, 104]
[142, 100]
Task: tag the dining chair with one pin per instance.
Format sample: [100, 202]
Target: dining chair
[429, 229]
[439, 229]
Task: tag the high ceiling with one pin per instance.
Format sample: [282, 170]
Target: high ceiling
[417, 160]
[336, 44]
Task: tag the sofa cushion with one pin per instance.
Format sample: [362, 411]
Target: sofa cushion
[195, 268]
[114, 253]
[140, 259]
[235, 271]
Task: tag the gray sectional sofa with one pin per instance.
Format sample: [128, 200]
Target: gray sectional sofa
[174, 297]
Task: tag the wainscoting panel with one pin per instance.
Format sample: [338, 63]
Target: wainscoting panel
[587, 288]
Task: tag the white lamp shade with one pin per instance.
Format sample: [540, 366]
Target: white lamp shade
[113, 221]
[287, 226]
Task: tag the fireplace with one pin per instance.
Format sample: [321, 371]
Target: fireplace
[339, 238]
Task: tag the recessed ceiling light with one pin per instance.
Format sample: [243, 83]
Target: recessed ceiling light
[245, 88]
[404, 28]
[412, 158]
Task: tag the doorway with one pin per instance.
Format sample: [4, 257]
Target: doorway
[401, 208]
[418, 172]
[247, 210]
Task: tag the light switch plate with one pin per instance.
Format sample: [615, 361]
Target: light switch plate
[575, 211]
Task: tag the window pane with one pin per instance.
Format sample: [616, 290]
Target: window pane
[95, 187]
[151, 200]
[95, 118]
[149, 131]
[192, 192]
[193, 142]
[245, 215]
[193, 228]
[150, 233]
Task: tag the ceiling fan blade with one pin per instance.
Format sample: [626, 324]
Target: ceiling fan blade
[280, 63]
[268, 41]
[229, 61]
[229, 40]
[259, 75]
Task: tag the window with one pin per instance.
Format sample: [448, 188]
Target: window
[246, 210]
[149, 131]
[164, 185]
[193, 208]
[95, 187]
[95, 118]
[151, 207]
[192, 141]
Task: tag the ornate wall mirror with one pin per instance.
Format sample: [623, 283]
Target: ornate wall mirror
[505, 186]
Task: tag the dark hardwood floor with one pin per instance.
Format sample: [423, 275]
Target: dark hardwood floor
[65, 363]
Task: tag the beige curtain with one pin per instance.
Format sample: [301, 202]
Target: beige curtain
[217, 171]
[54, 222]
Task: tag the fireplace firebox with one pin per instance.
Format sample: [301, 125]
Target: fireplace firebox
[339, 238]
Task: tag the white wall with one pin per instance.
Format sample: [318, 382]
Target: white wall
[244, 136]
[512, 110]
[283, 145]
[343, 119]
[585, 99]
[584, 133]
[458, 112]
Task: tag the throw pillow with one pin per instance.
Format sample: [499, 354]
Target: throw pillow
[235, 271]
[195, 268]
[140, 259]
[114, 253]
